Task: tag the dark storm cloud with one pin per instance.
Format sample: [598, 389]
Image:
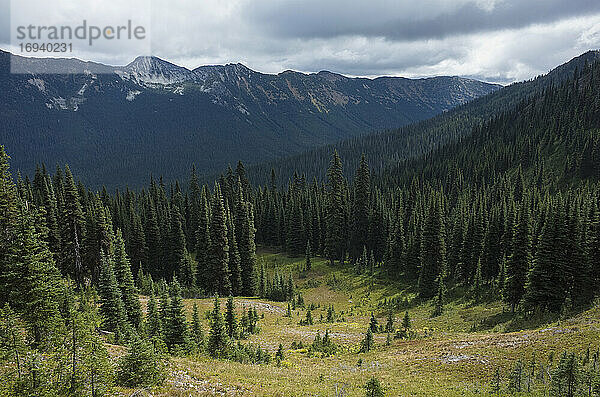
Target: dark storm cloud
[402, 20]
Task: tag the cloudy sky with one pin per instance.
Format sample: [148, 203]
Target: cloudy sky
[493, 40]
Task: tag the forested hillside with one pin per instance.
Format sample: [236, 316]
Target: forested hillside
[510, 212]
[386, 149]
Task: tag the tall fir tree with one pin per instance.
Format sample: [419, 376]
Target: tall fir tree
[127, 287]
[335, 222]
[218, 253]
[111, 304]
[519, 262]
[72, 232]
[433, 259]
[244, 220]
[360, 209]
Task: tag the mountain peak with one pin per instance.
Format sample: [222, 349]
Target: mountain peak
[154, 70]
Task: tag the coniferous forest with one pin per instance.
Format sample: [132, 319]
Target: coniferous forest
[100, 289]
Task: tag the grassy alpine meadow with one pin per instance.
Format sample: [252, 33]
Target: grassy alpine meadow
[471, 349]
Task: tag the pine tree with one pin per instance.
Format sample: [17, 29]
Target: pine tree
[477, 282]
[176, 336]
[154, 243]
[335, 222]
[72, 232]
[433, 261]
[396, 251]
[279, 355]
[519, 262]
[136, 247]
[296, 239]
[440, 296]
[98, 238]
[406, 321]
[373, 388]
[309, 319]
[203, 242]
[330, 314]
[516, 378]
[111, 304]
[124, 277]
[176, 245]
[389, 325]
[234, 257]
[373, 325]
[154, 325]
[541, 292]
[360, 209]
[244, 221]
[565, 376]
[218, 257]
[367, 343]
[230, 319]
[307, 260]
[196, 332]
[217, 338]
[140, 366]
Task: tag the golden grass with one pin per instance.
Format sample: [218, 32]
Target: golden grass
[450, 361]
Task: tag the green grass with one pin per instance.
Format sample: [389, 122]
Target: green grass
[455, 354]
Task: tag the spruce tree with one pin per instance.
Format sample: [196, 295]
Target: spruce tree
[373, 325]
[440, 296]
[367, 343]
[217, 337]
[111, 304]
[307, 260]
[124, 277]
[396, 252]
[433, 260]
[72, 232]
[373, 388]
[335, 222]
[406, 321]
[153, 322]
[244, 220]
[140, 367]
[540, 291]
[360, 209]
[519, 261]
[218, 253]
[234, 257]
[230, 319]
[477, 283]
[203, 242]
[196, 332]
[176, 245]
[389, 325]
[154, 243]
[176, 335]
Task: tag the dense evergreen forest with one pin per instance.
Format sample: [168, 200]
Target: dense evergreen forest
[511, 209]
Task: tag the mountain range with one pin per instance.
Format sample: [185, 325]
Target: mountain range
[386, 150]
[117, 125]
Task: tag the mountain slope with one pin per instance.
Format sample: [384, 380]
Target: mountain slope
[116, 125]
[387, 149]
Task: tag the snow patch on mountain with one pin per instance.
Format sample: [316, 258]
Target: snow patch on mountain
[155, 71]
[132, 94]
[39, 83]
